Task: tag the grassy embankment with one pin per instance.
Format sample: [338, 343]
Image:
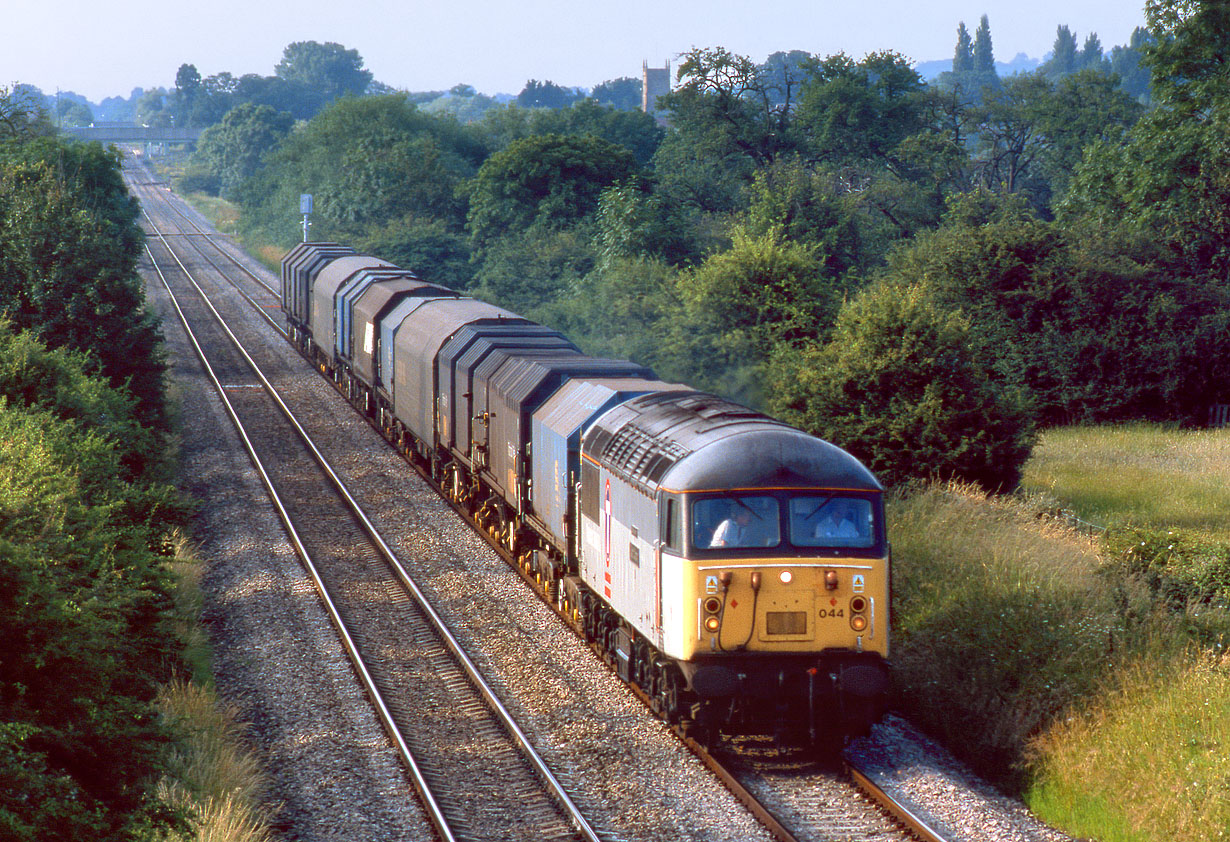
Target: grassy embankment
[1087, 674]
[211, 776]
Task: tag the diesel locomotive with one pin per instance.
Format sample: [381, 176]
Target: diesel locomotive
[732, 567]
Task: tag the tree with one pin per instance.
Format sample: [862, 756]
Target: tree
[636, 131]
[973, 64]
[762, 292]
[963, 54]
[329, 68]
[1125, 62]
[806, 207]
[1010, 131]
[1081, 316]
[905, 386]
[634, 224]
[188, 90]
[784, 72]
[22, 116]
[297, 98]
[234, 149]
[70, 112]
[1086, 107]
[544, 181]
[369, 161]
[859, 111]
[153, 108]
[623, 93]
[984, 56]
[1091, 54]
[68, 250]
[733, 101]
[1064, 56]
[1169, 177]
[537, 94]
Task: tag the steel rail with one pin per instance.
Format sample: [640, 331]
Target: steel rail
[210, 238]
[578, 819]
[431, 806]
[898, 810]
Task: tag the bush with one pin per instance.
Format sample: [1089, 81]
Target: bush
[85, 604]
[1179, 569]
[1085, 318]
[906, 387]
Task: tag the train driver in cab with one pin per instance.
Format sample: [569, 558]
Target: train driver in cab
[838, 521]
[734, 530]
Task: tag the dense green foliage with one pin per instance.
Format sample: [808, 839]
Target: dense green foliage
[907, 387]
[86, 602]
[233, 150]
[69, 244]
[86, 605]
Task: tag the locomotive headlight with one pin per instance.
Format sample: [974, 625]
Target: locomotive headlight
[786, 576]
[712, 624]
[830, 580]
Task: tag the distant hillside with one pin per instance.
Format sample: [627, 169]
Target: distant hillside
[1021, 63]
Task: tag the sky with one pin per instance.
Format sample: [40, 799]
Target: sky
[101, 49]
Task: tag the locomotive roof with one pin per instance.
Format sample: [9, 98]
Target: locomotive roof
[692, 441]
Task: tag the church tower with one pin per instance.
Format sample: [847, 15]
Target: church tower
[655, 82]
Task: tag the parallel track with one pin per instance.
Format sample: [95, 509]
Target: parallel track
[344, 554]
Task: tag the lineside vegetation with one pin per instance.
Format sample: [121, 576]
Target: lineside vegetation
[1085, 670]
[98, 624]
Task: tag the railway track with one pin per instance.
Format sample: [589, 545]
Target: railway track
[758, 784]
[440, 714]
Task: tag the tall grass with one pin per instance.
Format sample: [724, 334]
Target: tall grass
[1140, 474]
[212, 779]
[1089, 675]
[1149, 761]
[1002, 622]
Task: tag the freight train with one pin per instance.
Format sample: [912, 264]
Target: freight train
[732, 567]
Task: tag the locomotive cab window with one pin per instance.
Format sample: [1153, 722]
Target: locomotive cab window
[831, 520]
[672, 531]
[591, 498]
[733, 522]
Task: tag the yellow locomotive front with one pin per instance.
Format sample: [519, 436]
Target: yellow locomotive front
[788, 571]
[766, 603]
[784, 597]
